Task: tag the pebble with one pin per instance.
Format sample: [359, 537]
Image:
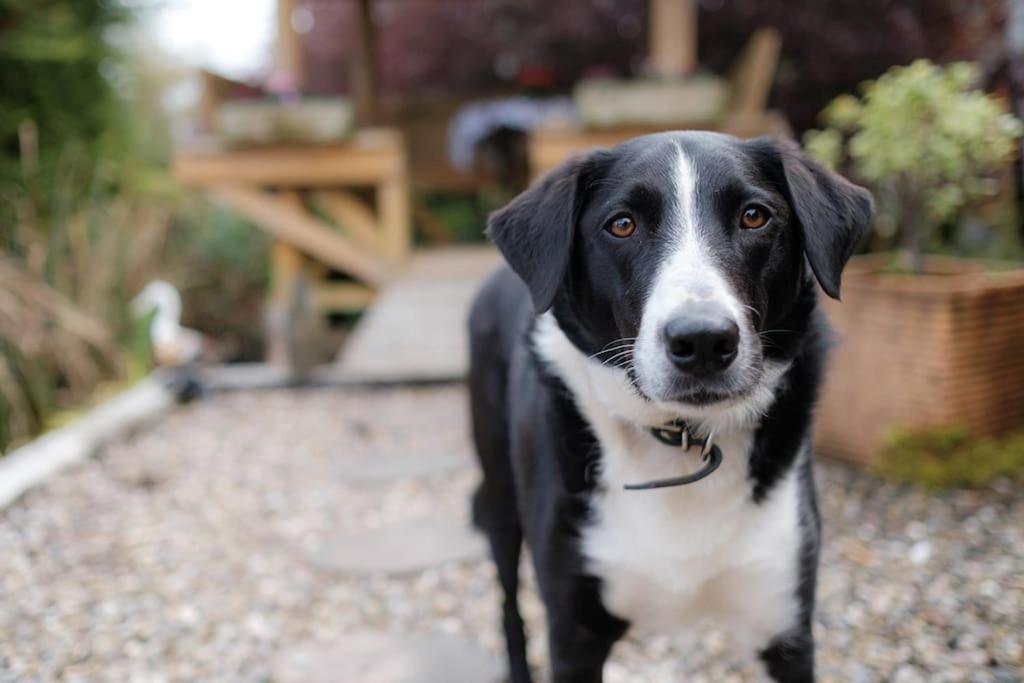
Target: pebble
[187, 552]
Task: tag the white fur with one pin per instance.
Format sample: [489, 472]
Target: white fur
[689, 274]
[670, 557]
[674, 556]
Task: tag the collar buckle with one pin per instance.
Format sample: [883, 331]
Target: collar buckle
[677, 433]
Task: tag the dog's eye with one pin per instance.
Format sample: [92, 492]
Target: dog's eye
[622, 226]
[754, 217]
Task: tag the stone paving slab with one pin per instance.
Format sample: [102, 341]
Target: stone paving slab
[416, 330]
[399, 549]
[386, 468]
[387, 658]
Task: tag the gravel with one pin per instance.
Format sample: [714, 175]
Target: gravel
[187, 552]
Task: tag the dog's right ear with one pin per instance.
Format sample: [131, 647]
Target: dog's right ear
[534, 232]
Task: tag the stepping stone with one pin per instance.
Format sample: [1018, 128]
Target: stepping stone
[402, 548]
[384, 658]
[382, 468]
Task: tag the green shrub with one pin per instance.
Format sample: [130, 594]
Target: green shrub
[949, 457]
[57, 90]
[463, 217]
[89, 214]
[925, 141]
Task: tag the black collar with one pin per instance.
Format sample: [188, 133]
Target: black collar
[677, 433]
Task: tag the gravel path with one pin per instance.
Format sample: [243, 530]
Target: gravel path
[185, 553]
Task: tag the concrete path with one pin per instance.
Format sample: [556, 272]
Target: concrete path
[415, 332]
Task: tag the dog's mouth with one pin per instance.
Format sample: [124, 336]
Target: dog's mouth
[688, 393]
[705, 397]
[701, 397]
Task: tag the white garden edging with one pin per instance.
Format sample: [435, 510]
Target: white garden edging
[36, 461]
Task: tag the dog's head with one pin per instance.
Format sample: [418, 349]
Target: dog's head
[681, 259]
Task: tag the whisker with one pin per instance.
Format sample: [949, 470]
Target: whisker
[611, 359]
[621, 354]
[757, 314]
[613, 345]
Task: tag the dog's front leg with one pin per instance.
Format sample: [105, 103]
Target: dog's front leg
[790, 659]
[577, 653]
[581, 632]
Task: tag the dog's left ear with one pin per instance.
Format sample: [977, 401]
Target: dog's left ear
[834, 214]
[534, 232]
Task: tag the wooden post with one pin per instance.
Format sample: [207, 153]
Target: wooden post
[672, 26]
[287, 264]
[294, 324]
[288, 56]
[364, 80]
[395, 215]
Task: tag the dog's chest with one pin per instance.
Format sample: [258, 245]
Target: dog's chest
[673, 556]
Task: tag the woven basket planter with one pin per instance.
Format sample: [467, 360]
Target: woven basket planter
[922, 351]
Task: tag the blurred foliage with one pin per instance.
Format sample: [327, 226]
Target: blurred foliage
[925, 141]
[484, 46]
[57, 98]
[464, 217]
[831, 46]
[221, 265]
[89, 214]
[949, 457]
[475, 46]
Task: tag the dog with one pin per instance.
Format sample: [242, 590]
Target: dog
[658, 307]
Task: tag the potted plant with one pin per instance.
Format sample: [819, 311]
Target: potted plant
[924, 341]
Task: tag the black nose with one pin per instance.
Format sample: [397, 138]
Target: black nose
[702, 342]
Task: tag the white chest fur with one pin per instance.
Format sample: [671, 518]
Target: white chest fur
[673, 556]
[670, 557]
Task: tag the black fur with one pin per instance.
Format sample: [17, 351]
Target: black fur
[535, 446]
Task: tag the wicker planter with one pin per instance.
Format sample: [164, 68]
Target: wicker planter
[916, 352]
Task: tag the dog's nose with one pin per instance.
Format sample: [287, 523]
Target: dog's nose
[702, 341]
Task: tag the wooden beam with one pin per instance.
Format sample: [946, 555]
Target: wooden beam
[364, 77]
[352, 216]
[342, 297]
[294, 226]
[672, 26]
[290, 166]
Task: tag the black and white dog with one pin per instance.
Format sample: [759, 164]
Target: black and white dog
[663, 287]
